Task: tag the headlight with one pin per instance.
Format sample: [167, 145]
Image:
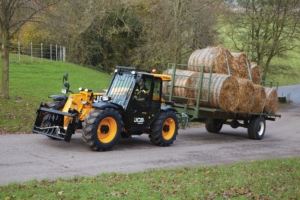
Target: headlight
[86, 90]
[80, 88]
[64, 90]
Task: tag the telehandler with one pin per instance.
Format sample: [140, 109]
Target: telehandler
[123, 110]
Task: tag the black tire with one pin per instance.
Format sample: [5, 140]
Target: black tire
[256, 128]
[102, 129]
[164, 129]
[46, 122]
[213, 125]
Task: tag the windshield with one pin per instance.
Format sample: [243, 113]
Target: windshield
[121, 88]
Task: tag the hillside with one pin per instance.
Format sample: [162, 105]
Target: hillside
[31, 83]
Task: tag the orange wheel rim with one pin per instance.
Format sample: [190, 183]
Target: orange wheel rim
[107, 130]
[168, 128]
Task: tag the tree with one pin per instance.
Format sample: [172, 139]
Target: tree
[14, 14]
[173, 29]
[110, 38]
[265, 29]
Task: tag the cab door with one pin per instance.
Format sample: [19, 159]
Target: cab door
[138, 110]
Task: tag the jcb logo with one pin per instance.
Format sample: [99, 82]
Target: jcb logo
[98, 99]
[139, 120]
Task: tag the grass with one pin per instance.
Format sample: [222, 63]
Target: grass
[30, 83]
[267, 179]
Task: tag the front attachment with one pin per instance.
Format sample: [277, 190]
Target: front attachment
[51, 122]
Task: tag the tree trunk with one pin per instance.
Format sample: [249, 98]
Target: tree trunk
[5, 60]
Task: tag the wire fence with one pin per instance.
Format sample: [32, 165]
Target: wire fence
[30, 51]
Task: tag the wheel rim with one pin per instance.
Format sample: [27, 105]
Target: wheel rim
[261, 128]
[168, 128]
[107, 130]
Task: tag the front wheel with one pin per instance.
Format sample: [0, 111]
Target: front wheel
[164, 129]
[102, 129]
[256, 128]
[47, 123]
[213, 125]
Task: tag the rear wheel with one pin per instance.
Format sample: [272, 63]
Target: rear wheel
[256, 128]
[213, 125]
[164, 129]
[102, 129]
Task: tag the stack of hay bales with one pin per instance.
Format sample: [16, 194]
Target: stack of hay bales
[231, 86]
[222, 89]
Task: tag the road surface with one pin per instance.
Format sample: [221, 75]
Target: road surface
[29, 156]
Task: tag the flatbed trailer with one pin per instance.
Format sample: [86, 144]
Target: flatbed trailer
[215, 118]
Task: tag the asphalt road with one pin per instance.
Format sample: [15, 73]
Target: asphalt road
[29, 156]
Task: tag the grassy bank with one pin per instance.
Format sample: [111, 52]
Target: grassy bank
[268, 179]
[30, 83]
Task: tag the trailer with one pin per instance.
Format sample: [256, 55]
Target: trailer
[214, 118]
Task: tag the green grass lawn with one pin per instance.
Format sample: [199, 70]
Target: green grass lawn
[268, 179]
[30, 83]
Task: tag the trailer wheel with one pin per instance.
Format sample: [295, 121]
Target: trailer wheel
[256, 128]
[164, 129]
[102, 129]
[213, 125]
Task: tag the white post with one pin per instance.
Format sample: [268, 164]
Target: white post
[64, 53]
[42, 51]
[56, 52]
[19, 51]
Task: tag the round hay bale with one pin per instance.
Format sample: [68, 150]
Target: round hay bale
[255, 73]
[223, 89]
[259, 98]
[243, 64]
[216, 57]
[182, 79]
[245, 95]
[271, 105]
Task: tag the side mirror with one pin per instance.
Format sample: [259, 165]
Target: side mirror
[65, 77]
[67, 85]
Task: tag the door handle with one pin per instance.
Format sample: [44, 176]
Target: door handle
[133, 110]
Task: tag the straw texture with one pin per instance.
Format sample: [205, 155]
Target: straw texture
[259, 99]
[271, 105]
[243, 65]
[219, 58]
[255, 73]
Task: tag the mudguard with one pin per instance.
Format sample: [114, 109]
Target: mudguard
[104, 105]
[167, 108]
[58, 97]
